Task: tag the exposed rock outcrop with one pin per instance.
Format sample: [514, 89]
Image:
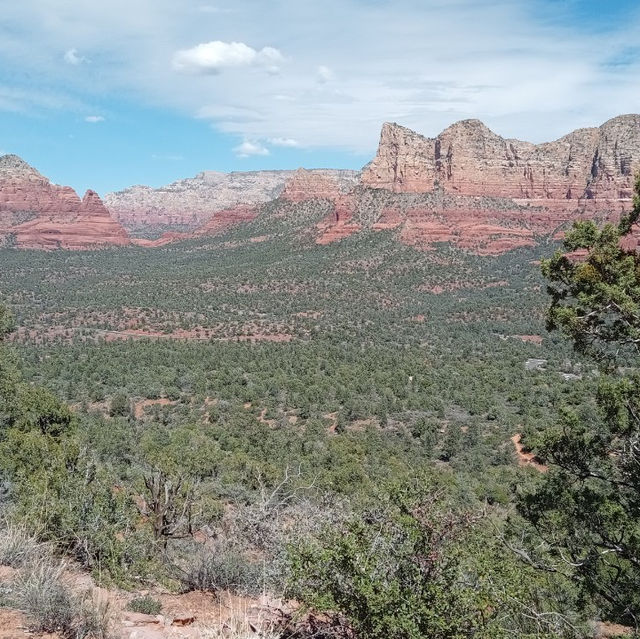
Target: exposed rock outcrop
[483, 193]
[189, 204]
[34, 213]
[469, 159]
[321, 184]
[223, 220]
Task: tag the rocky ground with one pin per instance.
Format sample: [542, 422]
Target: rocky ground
[191, 615]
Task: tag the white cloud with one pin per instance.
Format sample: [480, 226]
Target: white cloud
[525, 67]
[213, 57]
[325, 74]
[284, 142]
[71, 57]
[249, 148]
[93, 119]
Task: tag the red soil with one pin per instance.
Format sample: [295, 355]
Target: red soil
[527, 459]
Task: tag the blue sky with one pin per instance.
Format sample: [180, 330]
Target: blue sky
[108, 94]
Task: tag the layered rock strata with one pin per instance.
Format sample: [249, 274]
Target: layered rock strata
[469, 159]
[34, 213]
[189, 204]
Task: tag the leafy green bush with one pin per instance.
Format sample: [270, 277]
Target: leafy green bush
[146, 605]
[393, 573]
[414, 567]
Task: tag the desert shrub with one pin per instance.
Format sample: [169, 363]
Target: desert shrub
[146, 605]
[120, 406]
[46, 601]
[50, 606]
[60, 491]
[18, 547]
[223, 569]
[92, 619]
[413, 566]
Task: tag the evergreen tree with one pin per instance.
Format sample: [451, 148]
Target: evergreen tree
[586, 511]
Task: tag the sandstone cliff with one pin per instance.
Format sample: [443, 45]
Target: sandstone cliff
[322, 184]
[34, 213]
[469, 159]
[190, 203]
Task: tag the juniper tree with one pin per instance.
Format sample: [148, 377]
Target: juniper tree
[586, 511]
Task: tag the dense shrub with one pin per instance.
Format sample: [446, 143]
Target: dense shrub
[222, 569]
[146, 605]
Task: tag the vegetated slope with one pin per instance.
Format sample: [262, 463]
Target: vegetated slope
[230, 362]
[265, 294]
[34, 213]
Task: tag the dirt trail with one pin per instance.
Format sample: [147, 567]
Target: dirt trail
[527, 459]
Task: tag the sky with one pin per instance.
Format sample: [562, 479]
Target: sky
[112, 93]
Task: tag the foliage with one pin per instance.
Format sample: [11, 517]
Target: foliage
[596, 300]
[223, 569]
[45, 599]
[586, 512]
[414, 567]
[50, 605]
[146, 605]
[18, 547]
[258, 394]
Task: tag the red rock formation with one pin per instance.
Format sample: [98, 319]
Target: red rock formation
[489, 195]
[309, 185]
[37, 214]
[223, 220]
[469, 159]
[164, 239]
[189, 204]
[219, 223]
[339, 223]
[483, 226]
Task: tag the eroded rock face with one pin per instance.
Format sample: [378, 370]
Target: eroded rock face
[34, 213]
[223, 220]
[321, 184]
[24, 190]
[189, 204]
[469, 159]
[481, 225]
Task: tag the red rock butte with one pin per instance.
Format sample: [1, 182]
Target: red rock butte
[469, 159]
[34, 213]
[487, 194]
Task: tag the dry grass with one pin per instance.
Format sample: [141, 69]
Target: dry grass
[41, 593]
[18, 548]
[42, 596]
[240, 626]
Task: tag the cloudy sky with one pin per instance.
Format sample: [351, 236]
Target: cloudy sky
[116, 92]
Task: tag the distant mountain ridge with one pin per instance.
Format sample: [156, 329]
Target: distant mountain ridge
[468, 158]
[468, 187]
[192, 202]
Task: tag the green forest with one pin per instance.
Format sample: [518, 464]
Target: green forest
[408, 443]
